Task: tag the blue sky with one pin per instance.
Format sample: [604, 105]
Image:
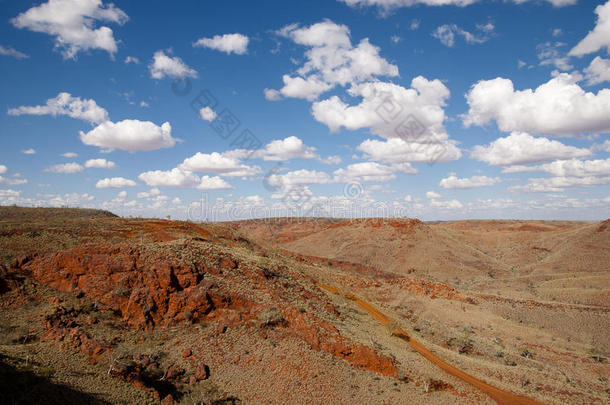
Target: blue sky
[469, 109]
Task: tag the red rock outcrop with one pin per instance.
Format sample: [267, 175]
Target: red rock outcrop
[146, 288]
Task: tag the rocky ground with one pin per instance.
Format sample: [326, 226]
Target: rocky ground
[100, 309]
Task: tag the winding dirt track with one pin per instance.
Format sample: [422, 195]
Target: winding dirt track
[498, 395]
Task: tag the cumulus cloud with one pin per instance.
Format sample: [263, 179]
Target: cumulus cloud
[100, 164]
[298, 178]
[73, 24]
[331, 60]
[66, 104]
[3, 169]
[599, 37]
[272, 94]
[566, 174]
[570, 168]
[433, 195]
[289, 148]
[550, 53]
[446, 204]
[130, 135]
[476, 181]
[182, 178]
[30, 151]
[163, 65]
[309, 88]
[598, 71]
[171, 178]
[448, 32]
[69, 155]
[222, 164]
[396, 150]
[8, 51]
[521, 148]
[228, 43]
[415, 116]
[388, 5]
[11, 182]
[559, 184]
[151, 193]
[132, 59]
[72, 167]
[207, 114]
[558, 107]
[115, 182]
[213, 183]
[371, 171]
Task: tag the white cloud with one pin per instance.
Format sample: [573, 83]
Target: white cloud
[11, 182]
[309, 88]
[558, 107]
[567, 173]
[65, 104]
[447, 33]
[570, 168]
[558, 184]
[331, 60]
[69, 155]
[396, 150]
[100, 164]
[115, 182]
[182, 178]
[29, 151]
[130, 135]
[122, 195]
[272, 94]
[206, 113]
[549, 53]
[476, 181]
[171, 178]
[599, 37]
[228, 43]
[144, 104]
[151, 193]
[218, 163]
[167, 66]
[213, 183]
[395, 39]
[598, 71]
[433, 195]
[72, 23]
[132, 59]
[388, 5]
[367, 171]
[521, 148]
[289, 148]
[69, 168]
[391, 111]
[604, 146]
[297, 178]
[446, 205]
[3, 169]
[8, 51]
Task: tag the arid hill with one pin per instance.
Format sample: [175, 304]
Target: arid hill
[100, 309]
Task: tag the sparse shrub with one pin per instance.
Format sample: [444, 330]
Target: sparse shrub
[527, 354]
[464, 344]
[597, 355]
[122, 291]
[271, 317]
